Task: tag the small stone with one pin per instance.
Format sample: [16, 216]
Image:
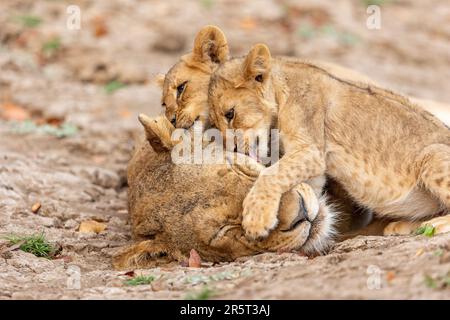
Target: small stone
[70, 224]
[91, 226]
[47, 222]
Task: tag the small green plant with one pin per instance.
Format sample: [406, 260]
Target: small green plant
[35, 244]
[28, 126]
[208, 4]
[426, 230]
[113, 86]
[375, 2]
[29, 21]
[438, 282]
[430, 282]
[140, 280]
[204, 294]
[51, 46]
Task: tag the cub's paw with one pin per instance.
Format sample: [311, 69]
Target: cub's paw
[400, 228]
[260, 213]
[438, 224]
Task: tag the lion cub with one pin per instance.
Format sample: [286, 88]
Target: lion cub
[390, 155]
[185, 86]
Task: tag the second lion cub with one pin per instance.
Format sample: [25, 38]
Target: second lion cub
[389, 154]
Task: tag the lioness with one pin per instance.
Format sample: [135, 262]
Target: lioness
[389, 154]
[175, 208]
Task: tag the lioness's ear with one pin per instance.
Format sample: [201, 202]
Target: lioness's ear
[210, 46]
[257, 63]
[159, 80]
[158, 132]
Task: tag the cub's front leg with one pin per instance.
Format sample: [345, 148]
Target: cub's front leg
[262, 202]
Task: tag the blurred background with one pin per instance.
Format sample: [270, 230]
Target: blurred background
[56, 73]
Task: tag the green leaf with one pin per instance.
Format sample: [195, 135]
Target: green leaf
[426, 230]
[51, 46]
[204, 294]
[208, 4]
[29, 21]
[306, 31]
[113, 86]
[430, 282]
[140, 280]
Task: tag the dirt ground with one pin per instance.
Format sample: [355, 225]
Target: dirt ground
[68, 119]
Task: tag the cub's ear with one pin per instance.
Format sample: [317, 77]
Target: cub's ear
[210, 46]
[159, 80]
[158, 132]
[257, 63]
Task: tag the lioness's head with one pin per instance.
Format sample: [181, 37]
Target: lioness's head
[241, 96]
[185, 86]
[178, 207]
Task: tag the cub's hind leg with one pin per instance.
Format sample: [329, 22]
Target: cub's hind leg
[434, 172]
[434, 175]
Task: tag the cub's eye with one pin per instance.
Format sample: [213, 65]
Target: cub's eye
[230, 114]
[259, 78]
[180, 89]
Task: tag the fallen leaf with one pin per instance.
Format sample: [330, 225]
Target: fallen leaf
[53, 121]
[99, 27]
[10, 111]
[129, 274]
[35, 208]
[248, 23]
[390, 275]
[194, 259]
[91, 226]
[124, 113]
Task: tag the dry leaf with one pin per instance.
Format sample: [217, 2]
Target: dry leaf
[124, 113]
[91, 226]
[35, 208]
[390, 275]
[129, 274]
[194, 259]
[248, 23]
[99, 27]
[10, 111]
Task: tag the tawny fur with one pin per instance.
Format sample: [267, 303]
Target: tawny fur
[388, 153]
[176, 208]
[210, 50]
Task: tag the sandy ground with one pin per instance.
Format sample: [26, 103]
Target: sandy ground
[54, 76]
